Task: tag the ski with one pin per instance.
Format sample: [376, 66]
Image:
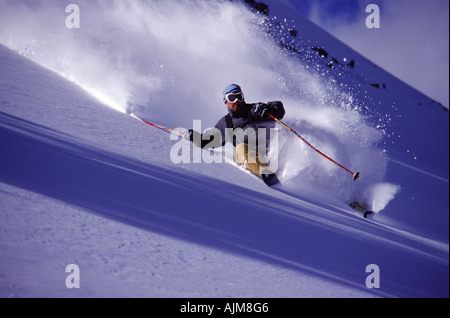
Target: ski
[270, 179]
[361, 208]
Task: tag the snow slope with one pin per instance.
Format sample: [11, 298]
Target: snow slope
[84, 184]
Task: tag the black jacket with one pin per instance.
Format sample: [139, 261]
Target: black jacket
[247, 116]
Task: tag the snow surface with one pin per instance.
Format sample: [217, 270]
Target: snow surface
[84, 183]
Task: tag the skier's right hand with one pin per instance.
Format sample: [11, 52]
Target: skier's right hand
[189, 135]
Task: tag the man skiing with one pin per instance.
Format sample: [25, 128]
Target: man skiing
[250, 118]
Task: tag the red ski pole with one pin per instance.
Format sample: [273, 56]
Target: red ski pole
[157, 126]
[355, 174]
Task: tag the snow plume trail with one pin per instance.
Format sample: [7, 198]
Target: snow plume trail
[171, 60]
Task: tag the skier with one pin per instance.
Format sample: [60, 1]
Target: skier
[244, 116]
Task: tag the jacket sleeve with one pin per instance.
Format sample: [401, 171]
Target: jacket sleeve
[212, 138]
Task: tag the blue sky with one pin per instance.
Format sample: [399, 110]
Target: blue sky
[412, 42]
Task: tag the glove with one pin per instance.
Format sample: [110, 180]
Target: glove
[276, 109]
[260, 111]
[189, 135]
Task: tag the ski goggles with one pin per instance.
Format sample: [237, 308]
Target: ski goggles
[235, 97]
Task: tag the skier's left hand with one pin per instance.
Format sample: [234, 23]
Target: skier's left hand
[275, 109]
[260, 111]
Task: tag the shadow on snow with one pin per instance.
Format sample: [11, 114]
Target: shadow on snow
[202, 210]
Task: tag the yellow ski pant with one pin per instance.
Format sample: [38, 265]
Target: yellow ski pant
[248, 157]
